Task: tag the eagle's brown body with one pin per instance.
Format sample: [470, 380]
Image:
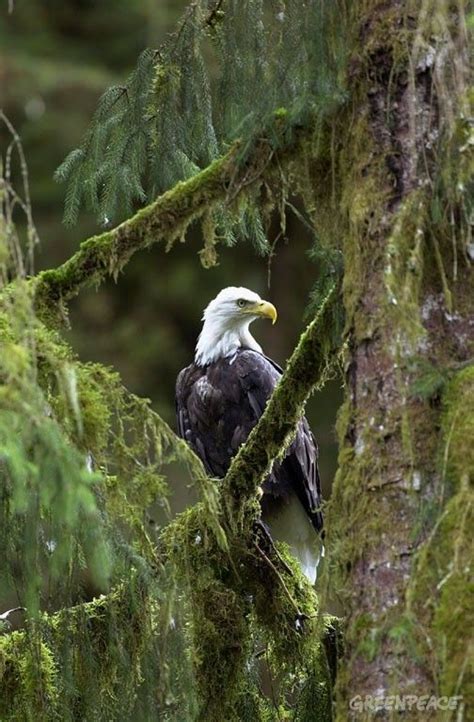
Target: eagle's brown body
[218, 405]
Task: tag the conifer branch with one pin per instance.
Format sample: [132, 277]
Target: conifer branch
[167, 218]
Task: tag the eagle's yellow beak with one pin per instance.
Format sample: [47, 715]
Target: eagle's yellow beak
[266, 309]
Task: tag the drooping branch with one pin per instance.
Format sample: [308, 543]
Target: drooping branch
[97, 676]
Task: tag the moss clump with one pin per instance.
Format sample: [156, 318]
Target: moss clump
[28, 679]
[247, 608]
[219, 613]
[83, 663]
[458, 429]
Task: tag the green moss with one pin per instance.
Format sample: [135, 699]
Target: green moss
[82, 663]
[218, 613]
[441, 593]
[208, 254]
[28, 680]
[441, 596]
[239, 601]
[458, 427]
[95, 389]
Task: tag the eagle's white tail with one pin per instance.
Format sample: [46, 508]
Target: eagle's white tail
[292, 525]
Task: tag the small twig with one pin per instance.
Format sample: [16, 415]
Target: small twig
[262, 527]
[6, 614]
[271, 256]
[280, 578]
[300, 217]
[25, 203]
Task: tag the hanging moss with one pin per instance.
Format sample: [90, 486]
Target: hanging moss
[82, 663]
[218, 612]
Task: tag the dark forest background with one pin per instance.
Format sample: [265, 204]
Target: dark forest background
[57, 57]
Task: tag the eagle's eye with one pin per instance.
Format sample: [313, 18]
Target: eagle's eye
[241, 302]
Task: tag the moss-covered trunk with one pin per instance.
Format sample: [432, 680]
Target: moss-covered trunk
[407, 296]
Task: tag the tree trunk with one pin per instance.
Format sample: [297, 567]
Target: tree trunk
[407, 297]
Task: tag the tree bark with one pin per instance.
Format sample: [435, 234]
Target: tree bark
[403, 317]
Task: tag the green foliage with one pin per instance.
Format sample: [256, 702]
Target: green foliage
[67, 529]
[429, 381]
[82, 469]
[169, 120]
[28, 670]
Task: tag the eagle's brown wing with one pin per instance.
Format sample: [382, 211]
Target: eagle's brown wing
[218, 405]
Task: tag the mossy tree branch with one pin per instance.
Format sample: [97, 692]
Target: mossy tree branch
[316, 348]
[278, 594]
[167, 218]
[39, 653]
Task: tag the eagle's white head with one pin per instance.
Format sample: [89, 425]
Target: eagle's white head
[226, 324]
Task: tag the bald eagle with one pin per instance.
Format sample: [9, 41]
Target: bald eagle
[219, 399]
